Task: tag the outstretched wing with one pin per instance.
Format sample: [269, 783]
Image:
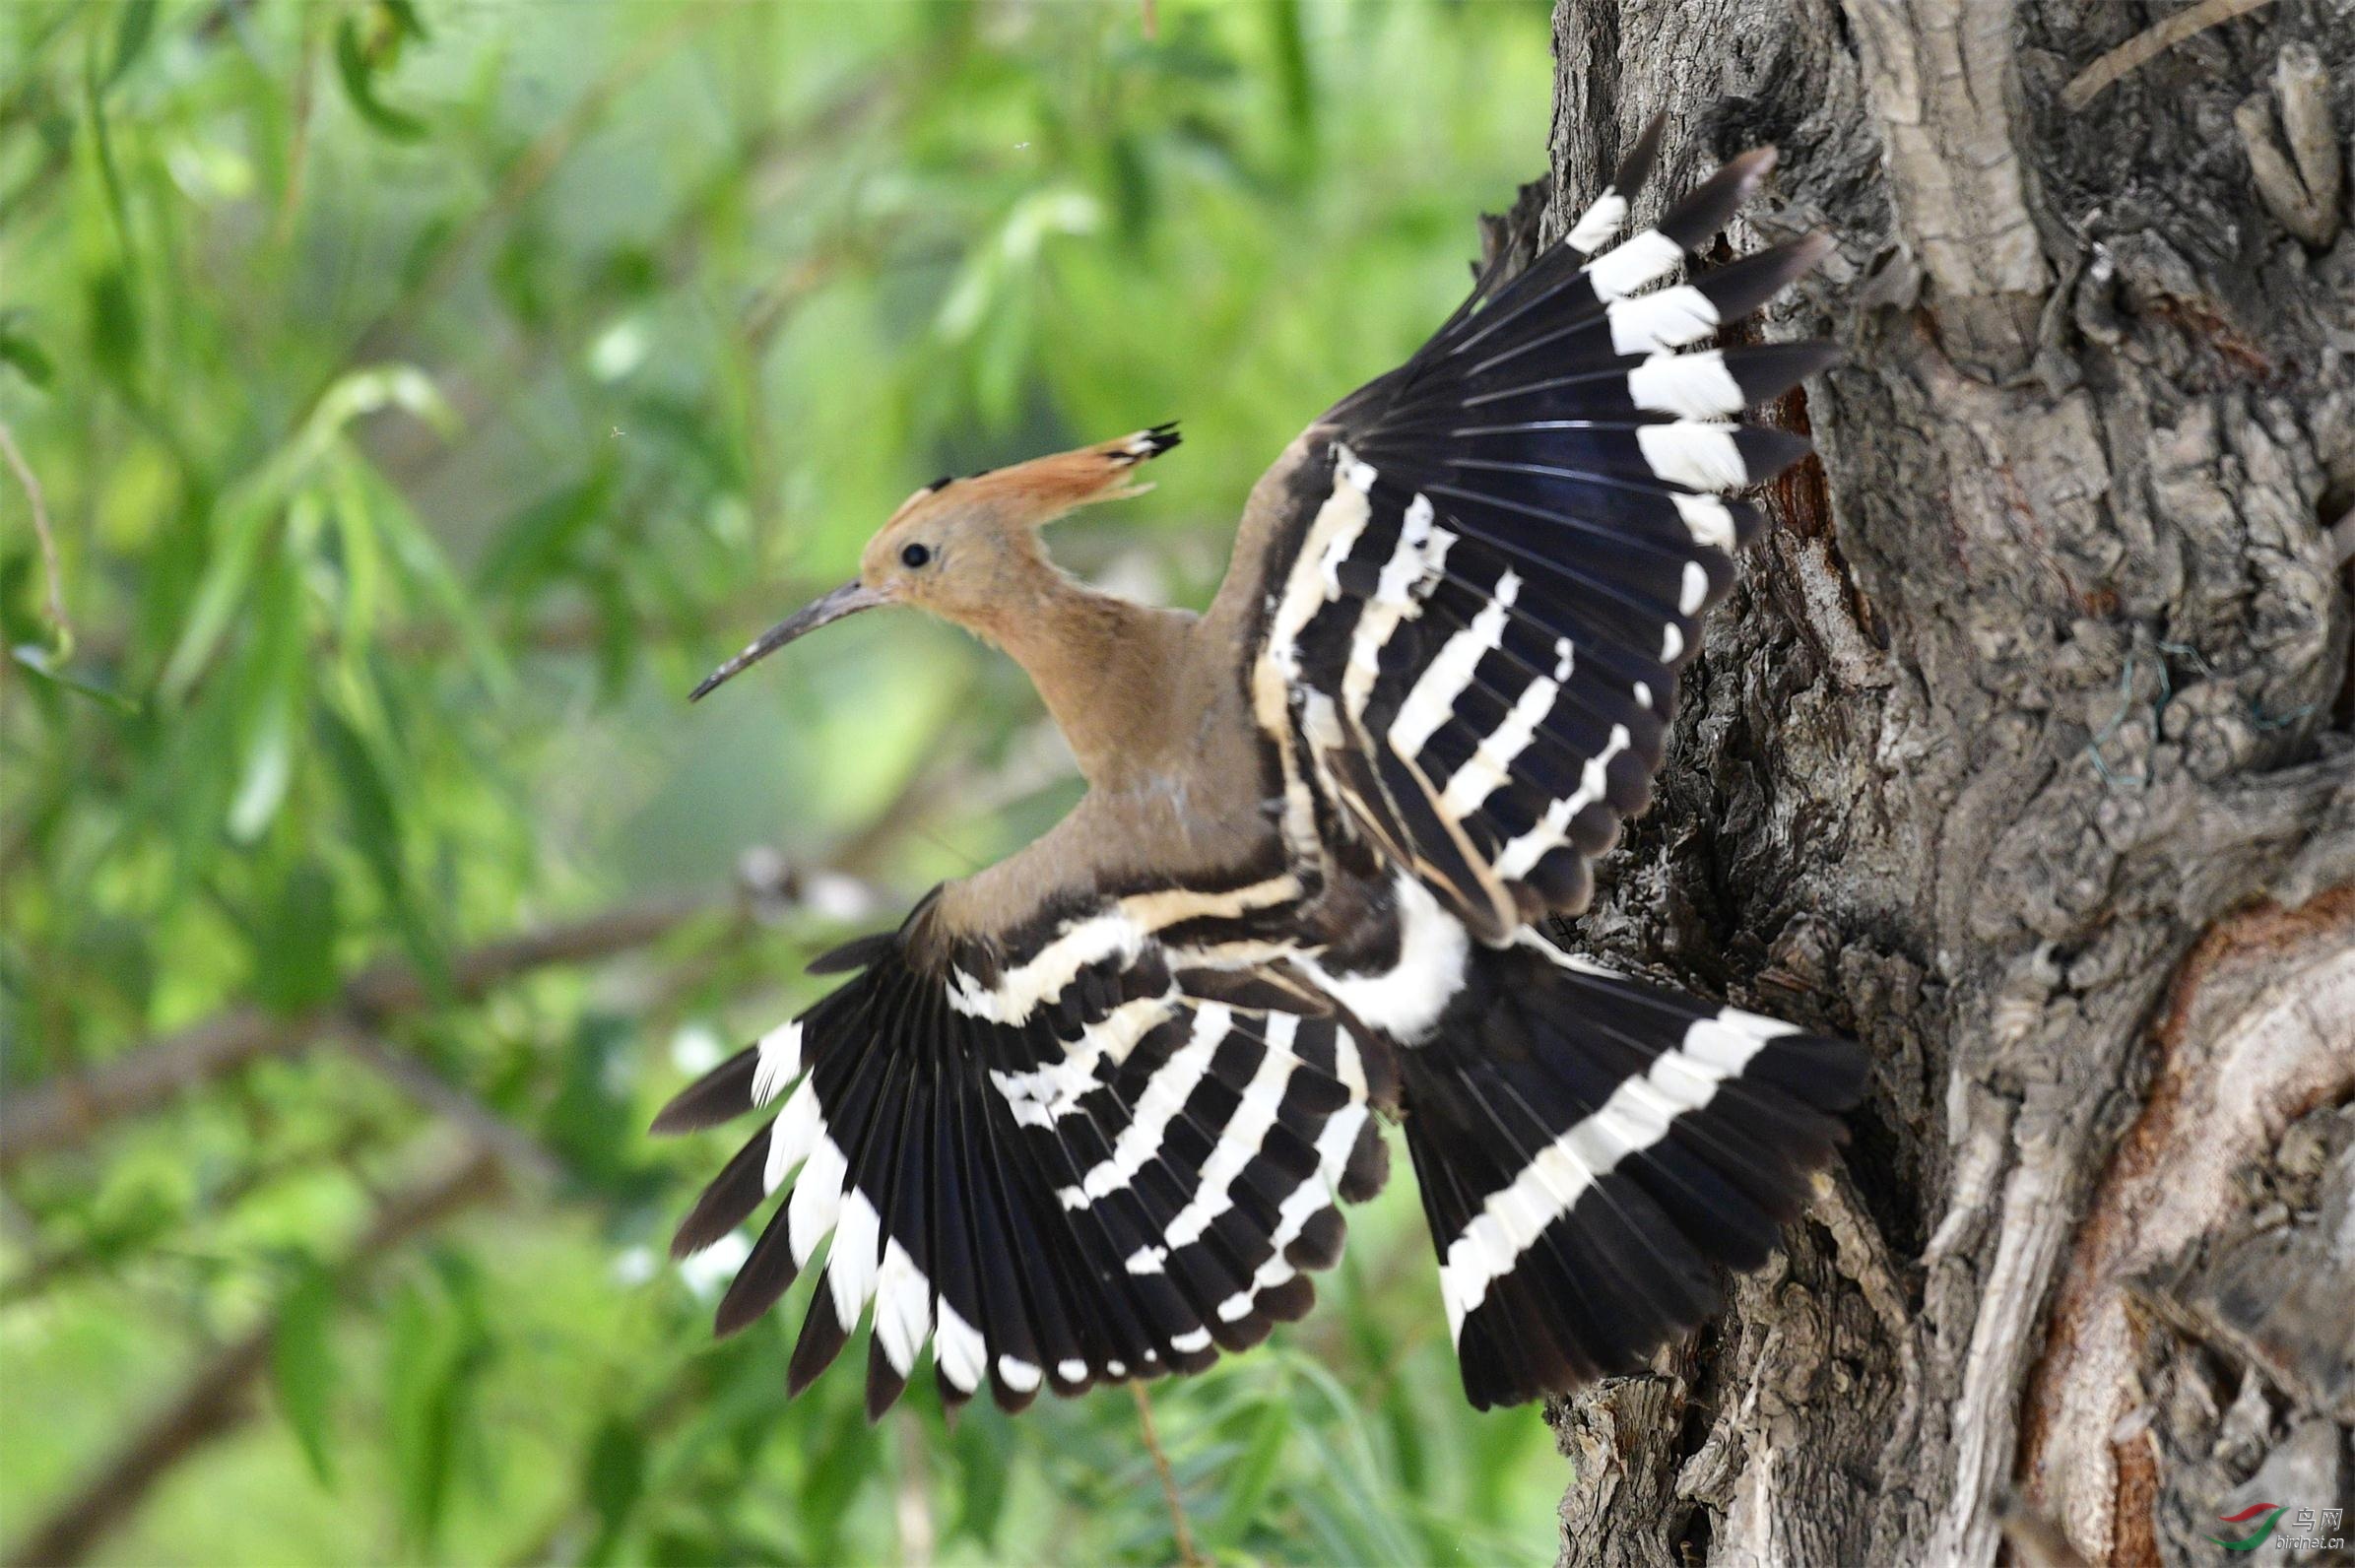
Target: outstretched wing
[1486, 568]
[1055, 1156]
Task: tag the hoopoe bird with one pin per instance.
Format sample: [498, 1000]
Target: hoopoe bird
[1088, 1114]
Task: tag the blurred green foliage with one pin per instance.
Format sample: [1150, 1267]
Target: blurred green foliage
[423, 393]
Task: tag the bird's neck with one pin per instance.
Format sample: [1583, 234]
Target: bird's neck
[1107, 669]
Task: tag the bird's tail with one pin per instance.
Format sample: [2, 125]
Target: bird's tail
[1592, 1149]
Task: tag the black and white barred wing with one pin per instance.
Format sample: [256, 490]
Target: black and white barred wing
[1498, 554]
[1051, 1163]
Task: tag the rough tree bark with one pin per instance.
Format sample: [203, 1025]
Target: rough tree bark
[2023, 753]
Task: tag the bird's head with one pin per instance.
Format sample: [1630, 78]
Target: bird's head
[966, 550]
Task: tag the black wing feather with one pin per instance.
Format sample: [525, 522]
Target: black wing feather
[1535, 533]
[1086, 1187]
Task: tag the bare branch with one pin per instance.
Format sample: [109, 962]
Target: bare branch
[218, 1399]
[2147, 46]
[63, 1112]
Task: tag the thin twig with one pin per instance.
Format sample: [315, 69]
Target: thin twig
[298, 130]
[1169, 1486]
[2147, 46]
[52, 574]
[219, 1398]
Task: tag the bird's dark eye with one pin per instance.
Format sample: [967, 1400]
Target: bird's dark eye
[915, 555]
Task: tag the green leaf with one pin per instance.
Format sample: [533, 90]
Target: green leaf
[226, 572]
[374, 816]
[1249, 1479]
[983, 1451]
[253, 507]
[616, 1481]
[426, 571]
[18, 349]
[115, 326]
[269, 765]
[358, 76]
[37, 660]
[541, 541]
[359, 555]
[302, 1365]
[272, 686]
[371, 391]
[132, 29]
[1297, 87]
[405, 19]
[293, 957]
[416, 1403]
[434, 1354]
[592, 1121]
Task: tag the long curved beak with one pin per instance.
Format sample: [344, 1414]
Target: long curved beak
[847, 600]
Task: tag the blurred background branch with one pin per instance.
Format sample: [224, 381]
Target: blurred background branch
[62, 1112]
[219, 1395]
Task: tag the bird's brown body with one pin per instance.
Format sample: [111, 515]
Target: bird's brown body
[1178, 771]
[1089, 1114]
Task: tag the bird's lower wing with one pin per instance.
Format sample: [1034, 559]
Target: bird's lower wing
[1492, 562]
[1053, 1163]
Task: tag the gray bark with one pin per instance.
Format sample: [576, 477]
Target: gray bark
[2022, 754]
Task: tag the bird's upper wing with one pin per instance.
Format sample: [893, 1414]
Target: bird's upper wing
[1470, 586]
[1054, 1153]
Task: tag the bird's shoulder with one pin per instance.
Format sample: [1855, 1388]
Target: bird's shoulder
[1155, 849]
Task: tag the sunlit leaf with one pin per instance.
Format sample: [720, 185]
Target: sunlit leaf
[269, 764]
[273, 688]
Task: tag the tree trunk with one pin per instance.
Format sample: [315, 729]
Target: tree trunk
[2022, 754]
